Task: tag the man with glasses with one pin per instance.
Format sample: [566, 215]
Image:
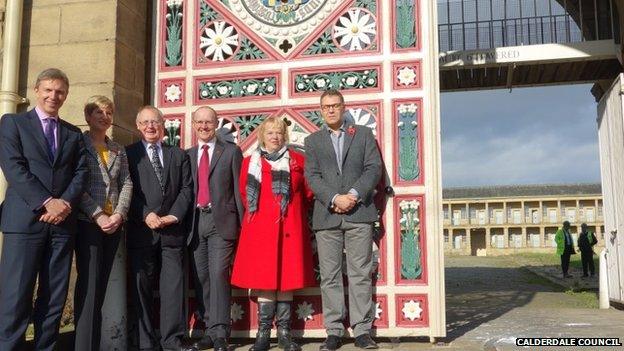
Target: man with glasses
[161, 197]
[343, 167]
[214, 225]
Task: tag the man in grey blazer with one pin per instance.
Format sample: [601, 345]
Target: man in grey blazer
[343, 166]
[215, 222]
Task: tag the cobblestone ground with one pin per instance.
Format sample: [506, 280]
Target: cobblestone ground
[491, 301]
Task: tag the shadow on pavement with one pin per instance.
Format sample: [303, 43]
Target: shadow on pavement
[477, 295]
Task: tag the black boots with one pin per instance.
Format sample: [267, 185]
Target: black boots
[282, 317]
[266, 312]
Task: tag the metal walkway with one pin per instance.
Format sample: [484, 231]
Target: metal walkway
[489, 44]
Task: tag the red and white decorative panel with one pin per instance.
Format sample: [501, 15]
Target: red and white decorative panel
[412, 310]
[250, 59]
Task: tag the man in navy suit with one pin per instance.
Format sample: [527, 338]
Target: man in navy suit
[44, 161]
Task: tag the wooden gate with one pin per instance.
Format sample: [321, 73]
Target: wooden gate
[250, 59]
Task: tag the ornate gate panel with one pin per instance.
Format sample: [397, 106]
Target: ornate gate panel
[250, 59]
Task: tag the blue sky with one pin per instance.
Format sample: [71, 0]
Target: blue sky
[529, 136]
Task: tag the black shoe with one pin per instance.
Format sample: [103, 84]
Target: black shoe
[332, 343]
[568, 276]
[204, 343]
[263, 340]
[220, 344]
[364, 341]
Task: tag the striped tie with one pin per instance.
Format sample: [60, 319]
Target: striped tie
[158, 169]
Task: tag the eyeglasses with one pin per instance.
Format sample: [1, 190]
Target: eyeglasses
[205, 123]
[151, 123]
[334, 106]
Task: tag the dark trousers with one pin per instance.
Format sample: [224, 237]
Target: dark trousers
[212, 258]
[95, 253]
[145, 264]
[24, 257]
[565, 262]
[587, 259]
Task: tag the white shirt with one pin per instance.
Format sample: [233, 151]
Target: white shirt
[211, 146]
[148, 149]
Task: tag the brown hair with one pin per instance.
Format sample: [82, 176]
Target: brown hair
[52, 74]
[332, 92]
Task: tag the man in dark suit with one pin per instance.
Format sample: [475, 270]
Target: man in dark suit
[161, 196]
[343, 167]
[215, 222]
[43, 160]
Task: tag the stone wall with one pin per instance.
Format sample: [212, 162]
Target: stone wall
[100, 44]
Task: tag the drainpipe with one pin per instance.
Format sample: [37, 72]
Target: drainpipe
[9, 99]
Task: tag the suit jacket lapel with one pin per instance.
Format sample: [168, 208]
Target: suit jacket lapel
[113, 152]
[216, 154]
[166, 163]
[193, 156]
[60, 141]
[327, 141]
[145, 162]
[38, 133]
[91, 149]
[348, 138]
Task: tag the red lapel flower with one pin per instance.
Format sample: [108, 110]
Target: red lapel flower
[351, 130]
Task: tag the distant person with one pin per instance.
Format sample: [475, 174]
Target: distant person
[586, 242]
[565, 247]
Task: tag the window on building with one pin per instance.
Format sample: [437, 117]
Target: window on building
[517, 216]
[571, 214]
[498, 216]
[589, 215]
[535, 217]
[552, 215]
[481, 216]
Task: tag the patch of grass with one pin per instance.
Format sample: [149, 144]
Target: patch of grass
[535, 279]
[551, 259]
[585, 299]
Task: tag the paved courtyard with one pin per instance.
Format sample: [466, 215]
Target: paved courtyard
[493, 300]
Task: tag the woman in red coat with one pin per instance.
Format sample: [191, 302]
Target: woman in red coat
[274, 254]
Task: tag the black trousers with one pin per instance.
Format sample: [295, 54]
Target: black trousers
[565, 260]
[146, 263]
[212, 263]
[95, 253]
[24, 257]
[587, 259]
